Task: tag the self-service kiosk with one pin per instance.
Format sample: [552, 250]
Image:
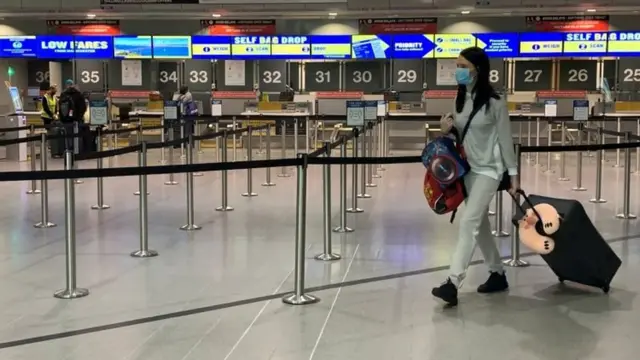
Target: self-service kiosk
[11, 116]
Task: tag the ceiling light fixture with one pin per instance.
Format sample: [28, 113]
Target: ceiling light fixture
[216, 15]
[465, 12]
[91, 16]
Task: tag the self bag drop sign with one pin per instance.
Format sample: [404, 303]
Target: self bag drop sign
[82, 47]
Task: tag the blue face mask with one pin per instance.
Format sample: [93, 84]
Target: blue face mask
[463, 76]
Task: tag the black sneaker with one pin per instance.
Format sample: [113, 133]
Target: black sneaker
[497, 282]
[447, 292]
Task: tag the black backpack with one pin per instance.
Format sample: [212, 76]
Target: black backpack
[66, 107]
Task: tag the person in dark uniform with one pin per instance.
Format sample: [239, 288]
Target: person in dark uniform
[72, 105]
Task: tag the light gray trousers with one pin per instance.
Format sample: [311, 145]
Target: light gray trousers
[475, 228]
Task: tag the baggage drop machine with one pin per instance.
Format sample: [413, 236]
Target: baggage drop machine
[129, 108]
[12, 116]
[231, 106]
[331, 110]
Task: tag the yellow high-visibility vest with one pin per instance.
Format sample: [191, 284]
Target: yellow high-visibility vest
[51, 101]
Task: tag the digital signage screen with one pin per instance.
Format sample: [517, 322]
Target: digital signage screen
[585, 43]
[18, 46]
[249, 47]
[624, 43]
[290, 47]
[541, 44]
[172, 47]
[371, 46]
[413, 46]
[504, 45]
[449, 46]
[93, 47]
[210, 47]
[132, 47]
[331, 46]
[55, 47]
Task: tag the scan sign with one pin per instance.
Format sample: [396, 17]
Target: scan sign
[585, 43]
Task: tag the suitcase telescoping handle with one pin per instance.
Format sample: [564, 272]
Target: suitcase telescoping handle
[527, 200]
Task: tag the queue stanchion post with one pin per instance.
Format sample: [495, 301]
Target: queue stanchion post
[363, 169]
[217, 129]
[163, 131]
[579, 160]
[598, 196]
[44, 198]
[143, 208]
[196, 145]
[381, 143]
[299, 297]
[376, 150]
[626, 201]
[234, 126]
[343, 228]
[549, 143]
[514, 260]
[537, 156]
[499, 231]
[296, 129]
[261, 149]
[249, 192]
[589, 153]
[618, 141]
[603, 140]
[529, 138]
[183, 124]
[370, 152]
[267, 170]
[172, 180]
[306, 133]
[198, 125]
[563, 155]
[100, 205]
[327, 253]
[354, 178]
[224, 177]
[190, 225]
[76, 147]
[33, 190]
[283, 148]
[71, 291]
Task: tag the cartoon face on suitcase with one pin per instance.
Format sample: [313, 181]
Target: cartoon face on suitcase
[537, 226]
[443, 160]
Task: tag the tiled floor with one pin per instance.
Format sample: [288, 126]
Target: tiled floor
[248, 254]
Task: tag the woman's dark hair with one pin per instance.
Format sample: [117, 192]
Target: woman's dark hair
[184, 89]
[482, 90]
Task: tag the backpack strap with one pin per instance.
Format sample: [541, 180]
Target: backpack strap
[465, 130]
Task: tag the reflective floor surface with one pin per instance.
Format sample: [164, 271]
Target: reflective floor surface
[215, 293]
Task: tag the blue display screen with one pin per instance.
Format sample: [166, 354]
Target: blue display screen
[18, 46]
[331, 46]
[541, 44]
[93, 47]
[413, 46]
[211, 47]
[55, 47]
[132, 47]
[172, 47]
[498, 44]
[371, 46]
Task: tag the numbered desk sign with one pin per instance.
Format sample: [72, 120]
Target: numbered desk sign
[551, 108]
[581, 110]
[355, 113]
[171, 110]
[98, 112]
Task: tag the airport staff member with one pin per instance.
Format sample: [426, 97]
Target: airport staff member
[48, 114]
[188, 107]
[488, 146]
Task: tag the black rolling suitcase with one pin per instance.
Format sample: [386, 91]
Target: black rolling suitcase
[58, 144]
[580, 254]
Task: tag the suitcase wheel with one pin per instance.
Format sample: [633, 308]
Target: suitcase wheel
[561, 280]
[606, 289]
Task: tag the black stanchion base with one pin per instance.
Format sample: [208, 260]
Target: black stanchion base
[304, 299]
[355, 211]
[43, 225]
[626, 216]
[144, 253]
[371, 185]
[224, 208]
[364, 196]
[71, 293]
[268, 184]
[579, 189]
[100, 207]
[598, 201]
[499, 233]
[515, 263]
[249, 194]
[33, 192]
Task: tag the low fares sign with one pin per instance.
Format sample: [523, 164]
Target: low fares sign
[82, 47]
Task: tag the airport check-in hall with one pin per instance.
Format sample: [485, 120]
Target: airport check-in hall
[190, 180]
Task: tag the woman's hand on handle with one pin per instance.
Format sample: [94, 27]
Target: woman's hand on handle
[446, 123]
[515, 186]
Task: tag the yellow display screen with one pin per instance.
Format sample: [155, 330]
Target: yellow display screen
[290, 46]
[450, 45]
[624, 43]
[585, 43]
[251, 46]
